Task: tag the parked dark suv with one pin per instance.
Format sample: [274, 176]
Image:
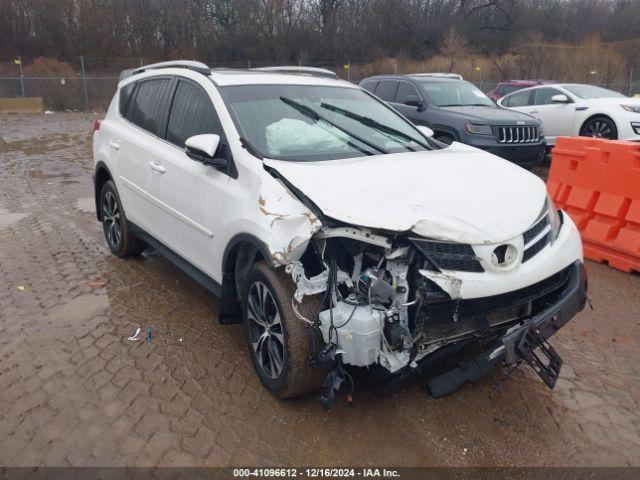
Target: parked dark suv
[457, 110]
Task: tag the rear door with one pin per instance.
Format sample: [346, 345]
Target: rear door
[188, 196]
[137, 144]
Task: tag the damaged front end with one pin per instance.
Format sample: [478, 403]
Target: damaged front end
[393, 301]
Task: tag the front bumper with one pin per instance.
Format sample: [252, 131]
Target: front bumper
[524, 155]
[512, 347]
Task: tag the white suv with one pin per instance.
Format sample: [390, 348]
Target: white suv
[334, 229]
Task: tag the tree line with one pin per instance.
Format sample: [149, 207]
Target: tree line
[518, 33]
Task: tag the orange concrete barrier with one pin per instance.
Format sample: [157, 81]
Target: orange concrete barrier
[597, 182]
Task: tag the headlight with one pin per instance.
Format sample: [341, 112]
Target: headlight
[555, 219]
[478, 129]
[631, 108]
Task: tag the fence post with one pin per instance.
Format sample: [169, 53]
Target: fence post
[631, 81]
[84, 84]
[21, 76]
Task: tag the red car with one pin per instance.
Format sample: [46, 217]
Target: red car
[509, 86]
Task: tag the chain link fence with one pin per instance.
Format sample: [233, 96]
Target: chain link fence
[90, 85]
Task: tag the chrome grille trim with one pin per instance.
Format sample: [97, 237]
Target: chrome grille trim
[512, 134]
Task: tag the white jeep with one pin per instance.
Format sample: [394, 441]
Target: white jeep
[338, 232]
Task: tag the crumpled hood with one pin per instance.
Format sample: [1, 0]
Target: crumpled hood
[459, 193]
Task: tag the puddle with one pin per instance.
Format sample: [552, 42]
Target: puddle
[7, 218]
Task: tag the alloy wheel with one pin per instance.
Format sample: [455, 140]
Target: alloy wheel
[111, 219]
[599, 129]
[265, 330]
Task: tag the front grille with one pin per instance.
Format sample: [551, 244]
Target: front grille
[456, 318]
[534, 249]
[525, 134]
[450, 256]
[531, 234]
[536, 230]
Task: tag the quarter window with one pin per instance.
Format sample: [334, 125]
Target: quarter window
[386, 90]
[192, 113]
[147, 107]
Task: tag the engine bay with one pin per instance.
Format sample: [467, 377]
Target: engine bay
[379, 306]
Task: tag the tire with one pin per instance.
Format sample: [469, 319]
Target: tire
[120, 240]
[599, 127]
[281, 356]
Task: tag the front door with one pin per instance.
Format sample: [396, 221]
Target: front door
[188, 196]
[557, 118]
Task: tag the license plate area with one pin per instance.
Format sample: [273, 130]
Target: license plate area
[539, 354]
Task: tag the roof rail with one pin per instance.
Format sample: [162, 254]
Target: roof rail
[299, 70]
[457, 76]
[188, 64]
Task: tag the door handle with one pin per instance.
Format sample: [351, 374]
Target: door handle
[156, 167]
[114, 145]
[534, 111]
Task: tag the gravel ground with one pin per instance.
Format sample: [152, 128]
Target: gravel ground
[75, 391]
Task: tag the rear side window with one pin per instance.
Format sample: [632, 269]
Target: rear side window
[407, 94]
[370, 85]
[147, 107]
[386, 90]
[192, 113]
[520, 99]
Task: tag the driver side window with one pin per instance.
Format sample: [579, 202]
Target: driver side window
[192, 113]
[542, 96]
[407, 94]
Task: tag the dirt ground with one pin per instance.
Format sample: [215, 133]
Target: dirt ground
[75, 391]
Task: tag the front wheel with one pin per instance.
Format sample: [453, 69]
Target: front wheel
[599, 127]
[114, 224]
[279, 343]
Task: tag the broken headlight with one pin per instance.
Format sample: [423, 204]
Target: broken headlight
[555, 219]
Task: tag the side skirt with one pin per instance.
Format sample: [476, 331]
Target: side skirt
[195, 273]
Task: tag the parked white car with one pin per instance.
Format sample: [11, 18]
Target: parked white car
[575, 109]
[334, 229]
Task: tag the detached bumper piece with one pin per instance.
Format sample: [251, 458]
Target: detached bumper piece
[527, 342]
[532, 347]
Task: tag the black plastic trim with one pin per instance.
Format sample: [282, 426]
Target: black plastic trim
[187, 267]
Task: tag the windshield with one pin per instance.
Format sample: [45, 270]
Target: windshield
[308, 123]
[455, 94]
[590, 91]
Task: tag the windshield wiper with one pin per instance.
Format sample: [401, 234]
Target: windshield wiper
[312, 114]
[370, 122]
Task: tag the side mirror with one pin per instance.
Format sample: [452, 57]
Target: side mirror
[560, 98]
[202, 148]
[426, 131]
[414, 102]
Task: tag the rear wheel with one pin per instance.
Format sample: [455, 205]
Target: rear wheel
[115, 226]
[599, 127]
[278, 340]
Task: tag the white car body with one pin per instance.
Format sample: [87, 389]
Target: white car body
[568, 119]
[456, 195]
